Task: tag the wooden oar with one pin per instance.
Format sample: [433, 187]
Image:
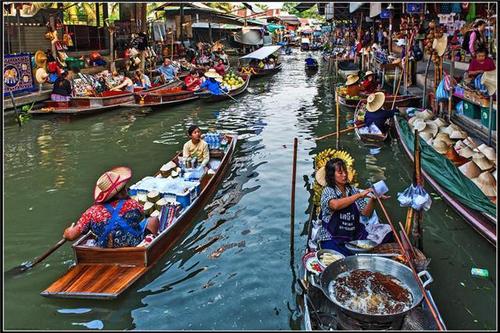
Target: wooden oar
[341, 131]
[227, 94]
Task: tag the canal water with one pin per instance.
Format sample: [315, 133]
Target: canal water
[232, 269]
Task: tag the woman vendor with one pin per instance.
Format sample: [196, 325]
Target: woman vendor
[482, 63]
[124, 83]
[196, 147]
[192, 81]
[116, 219]
[376, 113]
[62, 90]
[353, 88]
[369, 84]
[213, 82]
[341, 207]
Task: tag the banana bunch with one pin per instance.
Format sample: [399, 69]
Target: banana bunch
[320, 161]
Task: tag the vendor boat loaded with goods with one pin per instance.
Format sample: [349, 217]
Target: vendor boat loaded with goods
[265, 53]
[175, 195]
[461, 169]
[377, 286]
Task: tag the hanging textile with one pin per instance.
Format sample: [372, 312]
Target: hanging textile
[375, 8]
[471, 15]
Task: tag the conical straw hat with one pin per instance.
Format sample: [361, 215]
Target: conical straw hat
[450, 128]
[471, 142]
[419, 125]
[457, 134]
[444, 137]
[375, 101]
[482, 162]
[413, 120]
[453, 156]
[486, 183]
[425, 114]
[489, 79]
[481, 147]
[459, 145]
[440, 122]
[212, 73]
[440, 146]
[490, 154]
[427, 136]
[431, 128]
[110, 183]
[465, 152]
[352, 79]
[470, 170]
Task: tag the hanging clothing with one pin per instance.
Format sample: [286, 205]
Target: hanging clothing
[471, 15]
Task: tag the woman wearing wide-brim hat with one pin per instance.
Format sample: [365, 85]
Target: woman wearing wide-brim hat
[376, 114]
[342, 205]
[369, 84]
[213, 83]
[353, 88]
[116, 219]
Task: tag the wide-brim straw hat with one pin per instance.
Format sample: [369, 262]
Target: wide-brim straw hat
[425, 114]
[212, 74]
[489, 79]
[427, 136]
[449, 129]
[431, 128]
[440, 146]
[351, 79]
[486, 183]
[440, 122]
[466, 152]
[375, 101]
[440, 44]
[40, 58]
[482, 162]
[368, 73]
[458, 134]
[490, 154]
[444, 137]
[111, 182]
[413, 120]
[321, 176]
[459, 145]
[453, 156]
[470, 142]
[470, 169]
[41, 75]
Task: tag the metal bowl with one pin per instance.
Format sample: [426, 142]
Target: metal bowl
[351, 246]
[320, 253]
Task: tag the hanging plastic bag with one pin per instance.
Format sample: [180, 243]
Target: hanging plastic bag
[421, 199]
[405, 197]
[441, 93]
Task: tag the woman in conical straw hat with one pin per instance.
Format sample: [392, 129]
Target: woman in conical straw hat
[341, 207]
[353, 88]
[369, 84]
[376, 114]
[213, 83]
[116, 219]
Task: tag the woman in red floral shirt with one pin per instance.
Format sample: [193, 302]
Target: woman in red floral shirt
[115, 218]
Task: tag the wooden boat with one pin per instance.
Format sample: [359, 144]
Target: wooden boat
[208, 97]
[366, 138]
[312, 67]
[320, 313]
[105, 273]
[138, 91]
[85, 105]
[261, 54]
[267, 71]
[171, 95]
[485, 224]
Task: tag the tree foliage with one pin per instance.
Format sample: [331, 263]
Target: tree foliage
[310, 13]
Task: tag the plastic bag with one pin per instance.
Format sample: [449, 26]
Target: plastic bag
[415, 197]
[441, 93]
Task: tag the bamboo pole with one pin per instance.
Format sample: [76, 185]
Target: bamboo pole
[397, 90]
[337, 106]
[417, 230]
[292, 207]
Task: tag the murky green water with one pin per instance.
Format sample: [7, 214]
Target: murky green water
[51, 166]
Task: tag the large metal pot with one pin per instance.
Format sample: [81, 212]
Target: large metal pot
[374, 264]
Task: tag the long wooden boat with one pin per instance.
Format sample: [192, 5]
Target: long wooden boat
[105, 273]
[320, 313]
[173, 94]
[485, 224]
[312, 67]
[260, 72]
[141, 91]
[401, 100]
[366, 138]
[208, 97]
[85, 105]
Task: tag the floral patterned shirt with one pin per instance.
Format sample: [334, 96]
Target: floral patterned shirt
[97, 217]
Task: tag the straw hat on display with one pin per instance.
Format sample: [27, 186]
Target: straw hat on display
[489, 79]
[465, 152]
[481, 147]
[440, 122]
[490, 154]
[457, 134]
[412, 120]
[470, 142]
[427, 136]
[486, 183]
[453, 156]
[352, 79]
[459, 145]
[213, 74]
[449, 129]
[440, 146]
[110, 183]
[494, 174]
[444, 137]
[425, 114]
[431, 128]
[41, 75]
[321, 176]
[470, 170]
[375, 101]
[482, 162]
[40, 59]
[440, 44]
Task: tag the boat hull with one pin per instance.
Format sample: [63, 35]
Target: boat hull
[210, 98]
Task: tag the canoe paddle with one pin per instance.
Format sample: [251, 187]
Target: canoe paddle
[225, 93]
[341, 131]
[28, 265]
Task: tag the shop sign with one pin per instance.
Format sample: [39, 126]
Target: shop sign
[17, 73]
[385, 14]
[414, 8]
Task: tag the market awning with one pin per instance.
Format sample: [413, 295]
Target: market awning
[273, 27]
[262, 53]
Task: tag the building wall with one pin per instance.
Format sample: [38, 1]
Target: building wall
[32, 39]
